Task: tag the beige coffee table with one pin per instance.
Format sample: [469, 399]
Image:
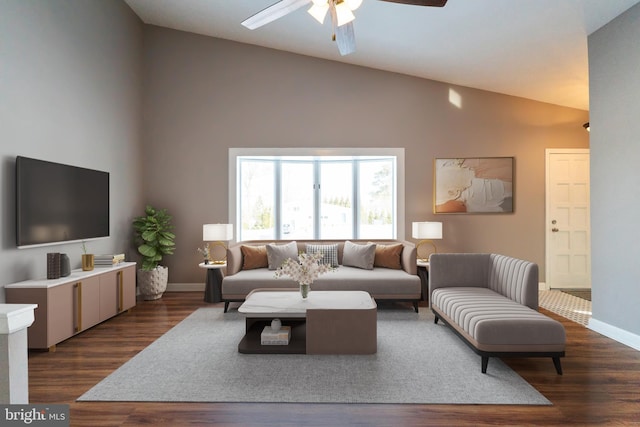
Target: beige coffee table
[327, 322]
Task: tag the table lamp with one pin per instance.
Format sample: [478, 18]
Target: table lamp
[217, 233]
[425, 231]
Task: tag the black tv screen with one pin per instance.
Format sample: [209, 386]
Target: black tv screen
[59, 203]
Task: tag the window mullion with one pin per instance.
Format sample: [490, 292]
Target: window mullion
[277, 217]
[356, 199]
[317, 200]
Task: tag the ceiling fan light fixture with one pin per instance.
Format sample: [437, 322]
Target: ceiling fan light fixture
[353, 4]
[319, 12]
[344, 14]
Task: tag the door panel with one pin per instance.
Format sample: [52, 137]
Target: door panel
[90, 307]
[109, 284]
[568, 251]
[128, 288]
[62, 311]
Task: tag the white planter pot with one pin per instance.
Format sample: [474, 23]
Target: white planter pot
[152, 284]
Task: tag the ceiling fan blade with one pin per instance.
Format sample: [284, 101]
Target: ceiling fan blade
[433, 3]
[273, 12]
[346, 39]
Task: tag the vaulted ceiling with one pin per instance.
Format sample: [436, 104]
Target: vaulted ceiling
[535, 49]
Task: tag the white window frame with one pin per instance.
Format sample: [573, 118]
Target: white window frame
[398, 153]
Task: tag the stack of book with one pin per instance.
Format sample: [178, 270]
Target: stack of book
[279, 337]
[108, 260]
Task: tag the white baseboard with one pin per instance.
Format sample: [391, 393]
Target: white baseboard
[543, 286]
[615, 333]
[185, 287]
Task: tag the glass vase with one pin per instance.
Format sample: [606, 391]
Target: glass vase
[304, 290]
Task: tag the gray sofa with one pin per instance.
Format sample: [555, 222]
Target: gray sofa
[491, 302]
[402, 284]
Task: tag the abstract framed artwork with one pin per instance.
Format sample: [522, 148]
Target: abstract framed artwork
[473, 185]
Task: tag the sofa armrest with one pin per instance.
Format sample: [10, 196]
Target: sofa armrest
[234, 259]
[458, 270]
[409, 258]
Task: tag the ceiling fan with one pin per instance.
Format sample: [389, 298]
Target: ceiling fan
[341, 12]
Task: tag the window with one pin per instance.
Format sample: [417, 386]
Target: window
[286, 195]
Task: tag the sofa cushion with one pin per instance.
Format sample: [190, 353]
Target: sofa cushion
[329, 252]
[492, 322]
[277, 254]
[388, 256]
[359, 256]
[254, 257]
[379, 282]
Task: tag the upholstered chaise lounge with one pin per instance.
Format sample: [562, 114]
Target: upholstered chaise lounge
[491, 302]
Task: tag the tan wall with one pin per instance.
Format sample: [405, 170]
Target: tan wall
[203, 96]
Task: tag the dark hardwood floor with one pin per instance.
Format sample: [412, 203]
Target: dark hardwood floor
[600, 385]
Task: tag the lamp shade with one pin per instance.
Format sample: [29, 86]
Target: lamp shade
[426, 230]
[217, 232]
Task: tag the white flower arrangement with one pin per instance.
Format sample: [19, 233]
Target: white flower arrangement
[205, 251]
[305, 270]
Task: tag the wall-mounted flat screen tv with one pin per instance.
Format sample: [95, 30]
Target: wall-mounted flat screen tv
[58, 203]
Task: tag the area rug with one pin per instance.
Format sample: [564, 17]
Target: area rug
[417, 362]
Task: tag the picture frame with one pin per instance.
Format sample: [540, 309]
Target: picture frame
[473, 185]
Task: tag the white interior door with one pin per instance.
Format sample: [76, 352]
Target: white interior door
[568, 236]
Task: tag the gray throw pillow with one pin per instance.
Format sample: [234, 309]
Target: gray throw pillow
[276, 254]
[360, 256]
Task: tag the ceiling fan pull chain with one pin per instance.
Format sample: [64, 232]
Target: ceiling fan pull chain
[334, 19]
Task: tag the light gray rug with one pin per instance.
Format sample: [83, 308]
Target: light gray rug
[416, 362]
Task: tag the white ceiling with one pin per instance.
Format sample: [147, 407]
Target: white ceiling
[535, 49]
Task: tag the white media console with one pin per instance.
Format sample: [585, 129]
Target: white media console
[72, 304]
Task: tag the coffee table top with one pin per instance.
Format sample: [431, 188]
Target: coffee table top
[267, 303]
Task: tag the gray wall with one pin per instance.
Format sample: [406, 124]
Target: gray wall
[204, 95]
[614, 70]
[70, 79]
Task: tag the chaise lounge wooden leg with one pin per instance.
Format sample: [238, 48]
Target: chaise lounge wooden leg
[556, 363]
[485, 363]
[226, 306]
[415, 306]
[435, 320]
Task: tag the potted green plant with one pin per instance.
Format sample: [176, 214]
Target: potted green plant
[154, 240]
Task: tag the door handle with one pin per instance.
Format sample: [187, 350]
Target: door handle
[554, 230]
[78, 288]
[120, 292]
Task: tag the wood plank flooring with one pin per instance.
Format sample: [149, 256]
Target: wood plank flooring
[600, 385]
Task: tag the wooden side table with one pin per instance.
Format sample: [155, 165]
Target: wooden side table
[423, 273]
[213, 284]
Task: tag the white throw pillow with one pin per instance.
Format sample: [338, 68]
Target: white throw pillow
[329, 252]
[276, 254]
[360, 256]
